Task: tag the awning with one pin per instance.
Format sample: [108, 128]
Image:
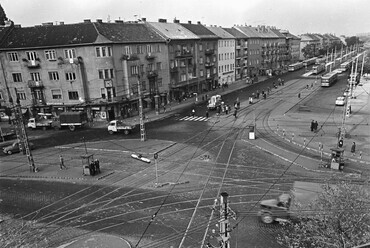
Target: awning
[148, 100]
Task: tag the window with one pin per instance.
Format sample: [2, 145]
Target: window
[200, 47]
[13, 57]
[201, 73]
[150, 67]
[141, 71]
[103, 94]
[183, 77]
[17, 77]
[35, 76]
[73, 95]
[143, 85]
[159, 66]
[139, 49]
[128, 50]
[133, 70]
[56, 94]
[31, 55]
[103, 52]
[70, 53]
[159, 82]
[50, 55]
[148, 48]
[201, 60]
[53, 75]
[70, 76]
[158, 48]
[106, 74]
[21, 95]
[182, 63]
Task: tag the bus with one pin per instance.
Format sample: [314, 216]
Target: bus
[295, 66]
[345, 66]
[329, 79]
[316, 69]
[310, 61]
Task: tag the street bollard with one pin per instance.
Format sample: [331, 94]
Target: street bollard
[304, 141]
[284, 132]
[277, 128]
[292, 136]
[360, 155]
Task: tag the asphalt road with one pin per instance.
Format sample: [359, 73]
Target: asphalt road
[129, 206]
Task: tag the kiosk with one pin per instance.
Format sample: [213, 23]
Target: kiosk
[336, 158]
[87, 159]
[252, 132]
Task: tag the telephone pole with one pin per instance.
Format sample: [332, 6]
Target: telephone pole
[224, 221]
[141, 116]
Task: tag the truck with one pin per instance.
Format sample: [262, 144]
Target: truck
[116, 126]
[42, 120]
[71, 119]
[214, 102]
[284, 207]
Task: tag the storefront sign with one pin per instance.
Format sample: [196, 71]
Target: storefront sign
[95, 108]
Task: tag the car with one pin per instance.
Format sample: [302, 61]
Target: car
[346, 93]
[340, 101]
[4, 117]
[140, 157]
[14, 148]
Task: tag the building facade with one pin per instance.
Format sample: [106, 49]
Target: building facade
[226, 55]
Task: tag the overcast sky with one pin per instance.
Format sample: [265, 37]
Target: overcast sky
[347, 17]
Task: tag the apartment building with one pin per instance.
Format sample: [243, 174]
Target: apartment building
[182, 58]
[308, 39]
[54, 68]
[293, 46]
[226, 55]
[241, 55]
[206, 56]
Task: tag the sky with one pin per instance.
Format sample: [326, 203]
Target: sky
[339, 17]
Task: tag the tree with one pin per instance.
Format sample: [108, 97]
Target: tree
[353, 40]
[309, 51]
[3, 17]
[340, 218]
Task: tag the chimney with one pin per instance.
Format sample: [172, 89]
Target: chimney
[61, 23]
[143, 19]
[47, 24]
[118, 21]
[87, 21]
[99, 20]
[199, 22]
[162, 20]
[17, 25]
[176, 21]
[189, 22]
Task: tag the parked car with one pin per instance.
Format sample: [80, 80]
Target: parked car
[346, 93]
[14, 148]
[140, 157]
[340, 101]
[4, 117]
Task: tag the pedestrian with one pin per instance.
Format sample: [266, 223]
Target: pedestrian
[316, 126]
[353, 149]
[97, 166]
[164, 109]
[299, 95]
[207, 114]
[235, 113]
[193, 112]
[227, 109]
[218, 110]
[312, 125]
[61, 164]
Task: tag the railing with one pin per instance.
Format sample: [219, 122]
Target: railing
[209, 51]
[151, 73]
[35, 84]
[183, 53]
[38, 102]
[150, 56]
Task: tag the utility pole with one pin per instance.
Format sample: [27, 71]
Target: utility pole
[224, 221]
[27, 148]
[142, 124]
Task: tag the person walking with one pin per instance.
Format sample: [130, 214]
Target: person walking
[61, 162]
[299, 95]
[353, 149]
[164, 109]
[207, 114]
[193, 113]
[316, 126]
[235, 113]
[312, 125]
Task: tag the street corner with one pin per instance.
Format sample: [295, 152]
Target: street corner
[98, 240]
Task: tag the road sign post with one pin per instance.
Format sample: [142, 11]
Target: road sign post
[156, 168]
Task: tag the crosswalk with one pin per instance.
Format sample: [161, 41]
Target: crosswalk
[195, 118]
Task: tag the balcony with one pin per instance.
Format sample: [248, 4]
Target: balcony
[238, 46]
[150, 56]
[38, 102]
[32, 63]
[174, 69]
[152, 73]
[209, 64]
[35, 84]
[209, 51]
[183, 54]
